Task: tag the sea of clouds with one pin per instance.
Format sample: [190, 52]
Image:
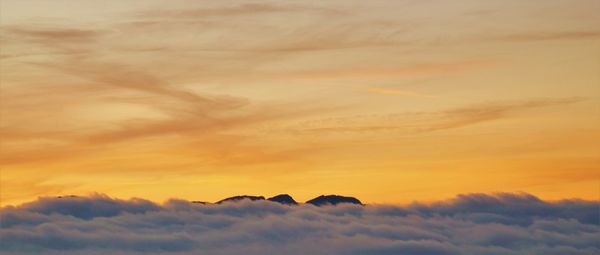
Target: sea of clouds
[469, 224]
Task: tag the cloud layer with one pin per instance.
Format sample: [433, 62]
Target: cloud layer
[469, 224]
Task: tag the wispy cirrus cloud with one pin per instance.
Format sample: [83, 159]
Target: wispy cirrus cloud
[45, 34]
[543, 36]
[233, 10]
[474, 114]
[31, 40]
[398, 92]
[406, 70]
[418, 122]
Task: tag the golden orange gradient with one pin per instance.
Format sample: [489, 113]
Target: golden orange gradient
[389, 101]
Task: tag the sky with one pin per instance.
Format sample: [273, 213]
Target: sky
[388, 101]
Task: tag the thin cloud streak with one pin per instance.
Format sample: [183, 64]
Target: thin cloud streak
[421, 122]
[235, 10]
[409, 70]
[398, 92]
[544, 36]
[466, 116]
[63, 35]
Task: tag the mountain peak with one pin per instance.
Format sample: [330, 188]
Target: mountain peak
[286, 199]
[283, 199]
[239, 198]
[333, 200]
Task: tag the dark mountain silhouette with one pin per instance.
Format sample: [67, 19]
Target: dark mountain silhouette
[239, 198]
[288, 200]
[333, 200]
[283, 199]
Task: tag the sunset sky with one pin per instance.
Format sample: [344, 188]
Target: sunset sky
[388, 101]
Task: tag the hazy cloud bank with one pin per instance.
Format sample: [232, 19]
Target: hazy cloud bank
[468, 224]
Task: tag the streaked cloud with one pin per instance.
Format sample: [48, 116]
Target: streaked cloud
[408, 70]
[40, 34]
[417, 122]
[233, 10]
[470, 115]
[398, 92]
[542, 36]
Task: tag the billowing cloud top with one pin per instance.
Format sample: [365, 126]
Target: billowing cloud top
[469, 224]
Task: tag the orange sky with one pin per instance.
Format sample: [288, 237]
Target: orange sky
[389, 101]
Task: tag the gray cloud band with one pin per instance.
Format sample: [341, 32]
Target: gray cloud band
[468, 224]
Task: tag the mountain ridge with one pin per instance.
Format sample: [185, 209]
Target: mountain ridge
[286, 199]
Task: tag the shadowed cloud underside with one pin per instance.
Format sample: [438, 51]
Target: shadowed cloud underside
[468, 224]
